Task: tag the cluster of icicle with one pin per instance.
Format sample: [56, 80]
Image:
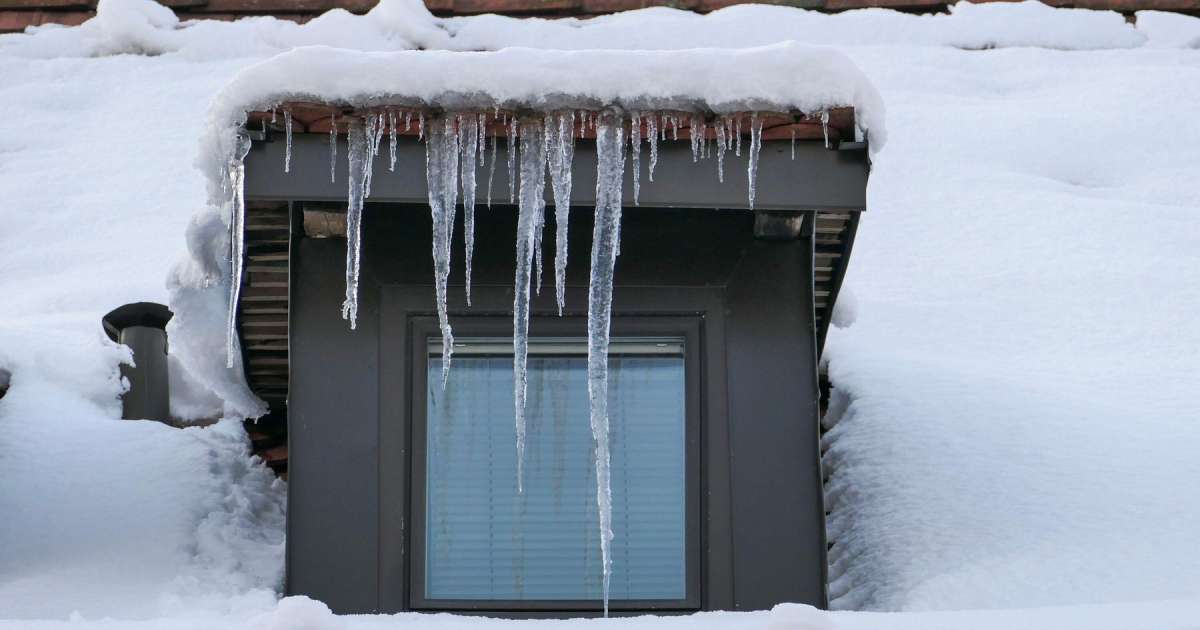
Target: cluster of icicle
[456, 147]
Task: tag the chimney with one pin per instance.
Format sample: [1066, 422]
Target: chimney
[142, 327]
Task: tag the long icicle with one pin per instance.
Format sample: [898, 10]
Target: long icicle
[392, 140]
[441, 171]
[512, 132]
[539, 232]
[358, 153]
[722, 145]
[635, 149]
[610, 166]
[236, 178]
[696, 136]
[652, 136]
[532, 202]
[561, 156]
[755, 147]
[468, 133]
[492, 170]
[333, 142]
[287, 133]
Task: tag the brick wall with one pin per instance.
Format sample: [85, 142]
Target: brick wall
[15, 15]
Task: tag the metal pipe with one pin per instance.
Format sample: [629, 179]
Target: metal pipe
[142, 327]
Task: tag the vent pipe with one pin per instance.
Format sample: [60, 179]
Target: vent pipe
[142, 327]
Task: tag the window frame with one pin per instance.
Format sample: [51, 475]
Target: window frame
[686, 327]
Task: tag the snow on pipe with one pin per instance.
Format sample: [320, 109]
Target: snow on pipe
[455, 146]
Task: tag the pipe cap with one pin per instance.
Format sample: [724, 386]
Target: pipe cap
[136, 314]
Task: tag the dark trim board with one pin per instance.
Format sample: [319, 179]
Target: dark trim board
[817, 179]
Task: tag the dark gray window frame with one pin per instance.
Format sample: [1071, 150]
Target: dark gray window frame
[687, 327]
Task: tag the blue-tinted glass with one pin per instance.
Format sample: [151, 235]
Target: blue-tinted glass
[486, 542]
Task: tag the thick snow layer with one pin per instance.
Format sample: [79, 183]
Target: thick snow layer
[1016, 403]
[786, 76]
[1014, 419]
[970, 26]
[145, 28]
[1169, 30]
[103, 516]
[301, 613]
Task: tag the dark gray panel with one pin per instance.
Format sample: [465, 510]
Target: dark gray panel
[818, 178]
[333, 512]
[778, 516]
[762, 529]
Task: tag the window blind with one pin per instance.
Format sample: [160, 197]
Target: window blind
[486, 542]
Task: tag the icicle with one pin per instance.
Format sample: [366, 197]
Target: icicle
[377, 138]
[407, 121]
[392, 140]
[532, 203]
[492, 169]
[674, 128]
[420, 125]
[610, 166]
[825, 126]
[513, 130]
[287, 133]
[755, 146]
[358, 154]
[468, 132]
[441, 178]
[635, 145]
[539, 230]
[333, 148]
[561, 155]
[236, 177]
[370, 123]
[274, 113]
[481, 141]
[793, 143]
[696, 135]
[663, 130]
[737, 135]
[722, 146]
[652, 135]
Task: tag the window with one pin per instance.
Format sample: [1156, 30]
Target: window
[485, 542]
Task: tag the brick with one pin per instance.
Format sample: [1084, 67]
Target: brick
[842, 5]
[612, 6]
[17, 21]
[43, 4]
[515, 6]
[229, 17]
[713, 5]
[265, 6]
[177, 4]
[1136, 5]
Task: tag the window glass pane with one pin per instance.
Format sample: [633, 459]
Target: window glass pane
[486, 542]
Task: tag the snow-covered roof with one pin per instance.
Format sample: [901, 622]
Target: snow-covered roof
[785, 77]
[1014, 408]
